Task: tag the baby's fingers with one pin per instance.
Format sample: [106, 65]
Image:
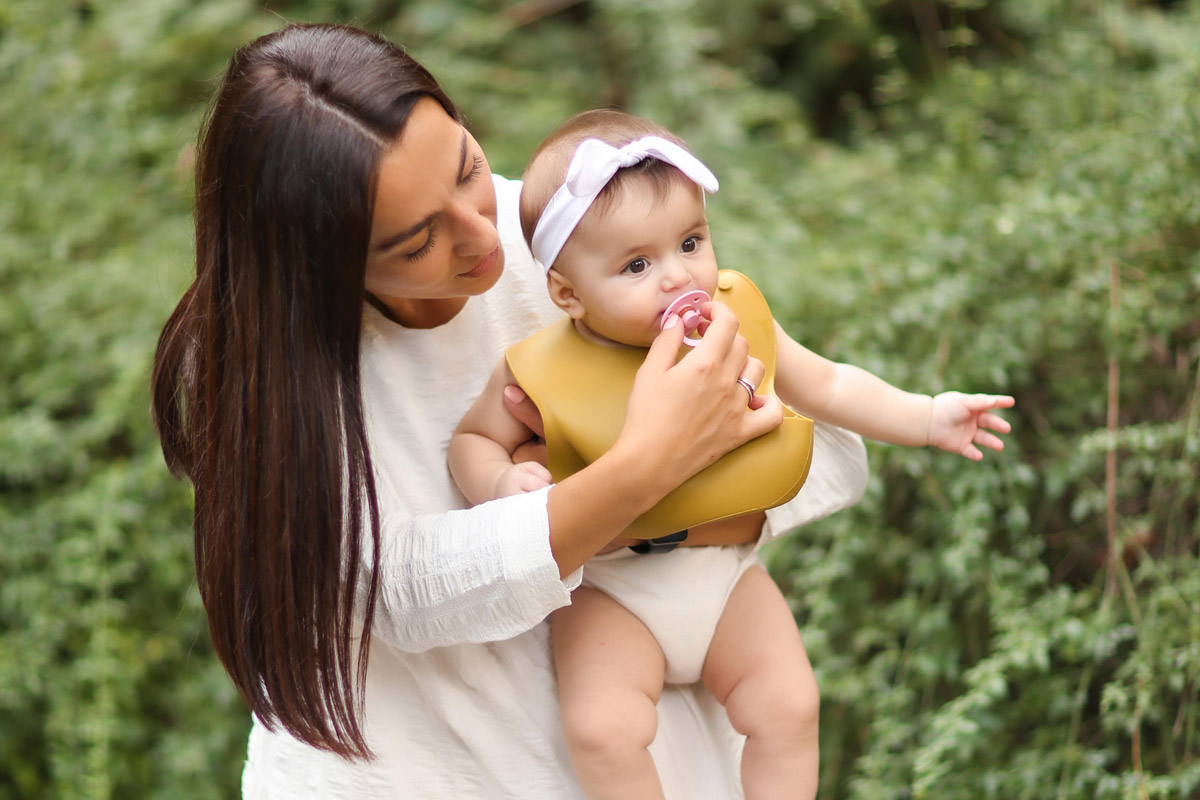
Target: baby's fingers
[982, 402]
[531, 483]
[538, 472]
[994, 423]
[985, 439]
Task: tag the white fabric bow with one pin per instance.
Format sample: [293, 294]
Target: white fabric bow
[592, 167]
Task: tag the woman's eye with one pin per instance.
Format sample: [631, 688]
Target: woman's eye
[637, 266]
[424, 249]
[689, 244]
[473, 172]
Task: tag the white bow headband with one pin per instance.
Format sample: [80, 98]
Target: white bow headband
[592, 167]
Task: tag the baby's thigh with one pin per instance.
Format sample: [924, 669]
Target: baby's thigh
[601, 648]
[757, 658]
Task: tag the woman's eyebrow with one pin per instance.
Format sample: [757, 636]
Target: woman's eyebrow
[407, 233]
[462, 153]
[413, 230]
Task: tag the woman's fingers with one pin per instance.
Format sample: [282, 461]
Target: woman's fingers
[751, 378]
[766, 415]
[523, 409]
[721, 340]
[686, 412]
[665, 347]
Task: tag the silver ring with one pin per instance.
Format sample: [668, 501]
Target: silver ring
[749, 387]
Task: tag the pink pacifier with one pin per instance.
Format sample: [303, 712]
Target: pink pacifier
[687, 307]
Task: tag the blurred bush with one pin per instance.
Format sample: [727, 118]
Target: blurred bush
[969, 194]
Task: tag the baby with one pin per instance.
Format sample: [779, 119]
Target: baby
[614, 209]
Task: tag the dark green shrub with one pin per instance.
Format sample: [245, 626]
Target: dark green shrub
[1010, 203]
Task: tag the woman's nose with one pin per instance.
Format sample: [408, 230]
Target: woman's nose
[475, 231]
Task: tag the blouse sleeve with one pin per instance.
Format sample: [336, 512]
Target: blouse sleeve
[476, 575]
[836, 480]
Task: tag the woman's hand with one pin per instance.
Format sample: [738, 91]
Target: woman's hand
[677, 400]
[683, 416]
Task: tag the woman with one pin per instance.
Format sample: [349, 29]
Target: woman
[358, 272]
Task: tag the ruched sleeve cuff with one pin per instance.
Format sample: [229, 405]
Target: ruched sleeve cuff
[476, 575]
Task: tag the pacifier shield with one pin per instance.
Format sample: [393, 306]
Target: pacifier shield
[687, 307]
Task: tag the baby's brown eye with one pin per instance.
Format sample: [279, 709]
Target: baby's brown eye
[637, 266]
[689, 245]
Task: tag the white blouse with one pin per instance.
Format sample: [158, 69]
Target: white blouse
[460, 694]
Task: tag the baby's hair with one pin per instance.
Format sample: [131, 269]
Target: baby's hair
[548, 167]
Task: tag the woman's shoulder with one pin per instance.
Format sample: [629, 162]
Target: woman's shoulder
[509, 187]
[508, 206]
[520, 296]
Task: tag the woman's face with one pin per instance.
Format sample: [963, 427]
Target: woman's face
[433, 234]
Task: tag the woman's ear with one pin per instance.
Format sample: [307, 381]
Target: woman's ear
[563, 294]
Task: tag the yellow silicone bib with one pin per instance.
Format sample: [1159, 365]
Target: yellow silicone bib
[582, 388]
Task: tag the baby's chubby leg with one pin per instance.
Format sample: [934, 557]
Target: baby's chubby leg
[610, 676]
[758, 669]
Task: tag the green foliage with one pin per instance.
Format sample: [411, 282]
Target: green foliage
[1027, 228]
[108, 687]
[991, 196]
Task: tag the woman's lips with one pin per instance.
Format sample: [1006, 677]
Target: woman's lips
[483, 266]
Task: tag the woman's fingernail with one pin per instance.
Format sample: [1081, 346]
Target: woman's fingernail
[512, 394]
[671, 322]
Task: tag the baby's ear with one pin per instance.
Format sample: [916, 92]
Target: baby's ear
[563, 294]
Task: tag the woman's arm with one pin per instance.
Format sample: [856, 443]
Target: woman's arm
[497, 569]
[480, 574]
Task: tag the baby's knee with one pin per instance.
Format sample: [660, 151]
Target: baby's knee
[799, 710]
[789, 710]
[608, 728]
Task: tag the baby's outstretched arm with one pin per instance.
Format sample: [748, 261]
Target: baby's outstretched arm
[480, 454]
[853, 398]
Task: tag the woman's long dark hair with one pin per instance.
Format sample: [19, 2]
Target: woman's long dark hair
[256, 386]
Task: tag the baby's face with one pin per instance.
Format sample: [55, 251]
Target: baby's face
[627, 265]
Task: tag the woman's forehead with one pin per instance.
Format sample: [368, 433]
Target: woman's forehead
[419, 171]
[430, 139]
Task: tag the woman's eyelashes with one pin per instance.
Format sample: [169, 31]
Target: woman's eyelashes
[473, 172]
[421, 251]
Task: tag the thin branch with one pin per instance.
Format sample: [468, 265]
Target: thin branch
[930, 30]
[531, 11]
[1110, 458]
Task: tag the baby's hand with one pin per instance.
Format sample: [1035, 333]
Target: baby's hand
[526, 476]
[958, 422]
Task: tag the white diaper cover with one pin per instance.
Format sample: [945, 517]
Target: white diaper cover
[679, 596]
